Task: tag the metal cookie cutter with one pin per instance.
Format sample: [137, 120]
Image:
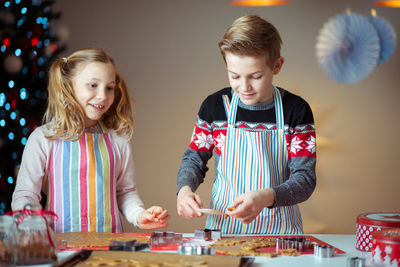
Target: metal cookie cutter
[159, 239]
[196, 250]
[299, 243]
[127, 246]
[207, 234]
[323, 251]
[355, 262]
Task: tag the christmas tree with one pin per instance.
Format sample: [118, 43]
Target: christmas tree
[28, 45]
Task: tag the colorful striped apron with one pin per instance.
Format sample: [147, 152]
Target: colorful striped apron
[253, 160]
[81, 184]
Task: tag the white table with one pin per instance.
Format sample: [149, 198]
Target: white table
[342, 242]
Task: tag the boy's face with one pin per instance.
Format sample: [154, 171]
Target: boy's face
[250, 77]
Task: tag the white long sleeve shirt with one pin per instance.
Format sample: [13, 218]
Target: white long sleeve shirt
[33, 174]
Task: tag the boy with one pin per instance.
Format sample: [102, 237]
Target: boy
[264, 141]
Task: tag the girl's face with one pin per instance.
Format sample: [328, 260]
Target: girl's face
[250, 77]
[93, 88]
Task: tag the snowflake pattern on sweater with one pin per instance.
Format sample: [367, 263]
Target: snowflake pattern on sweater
[300, 140]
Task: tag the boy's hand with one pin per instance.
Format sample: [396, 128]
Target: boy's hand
[252, 204]
[188, 203]
[154, 217]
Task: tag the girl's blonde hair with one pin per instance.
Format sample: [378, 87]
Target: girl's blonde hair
[251, 35]
[64, 111]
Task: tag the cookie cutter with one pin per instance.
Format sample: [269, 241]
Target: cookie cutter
[196, 250]
[208, 234]
[298, 243]
[160, 239]
[355, 262]
[323, 251]
[127, 245]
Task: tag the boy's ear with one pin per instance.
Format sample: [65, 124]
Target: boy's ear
[278, 65]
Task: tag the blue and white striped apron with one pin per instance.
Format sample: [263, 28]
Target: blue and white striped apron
[253, 160]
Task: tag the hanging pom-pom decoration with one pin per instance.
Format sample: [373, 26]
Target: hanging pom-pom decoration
[348, 48]
[386, 34]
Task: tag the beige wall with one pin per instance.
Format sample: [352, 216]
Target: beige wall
[167, 52]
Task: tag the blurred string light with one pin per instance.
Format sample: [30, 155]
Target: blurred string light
[41, 74]
[11, 84]
[2, 99]
[392, 3]
[23, 94]
[21, 21]
[2, 207]
[259, 2]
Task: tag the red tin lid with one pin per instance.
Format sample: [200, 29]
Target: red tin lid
[385, 219]
[392, 235]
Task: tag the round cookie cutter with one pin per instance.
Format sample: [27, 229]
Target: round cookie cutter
[324, 251]
[196, 250]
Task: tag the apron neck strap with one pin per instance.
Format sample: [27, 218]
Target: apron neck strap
[231, 108]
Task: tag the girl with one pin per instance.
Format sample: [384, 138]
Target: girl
[81, 157]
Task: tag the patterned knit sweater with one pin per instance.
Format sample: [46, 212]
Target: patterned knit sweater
[210, 131]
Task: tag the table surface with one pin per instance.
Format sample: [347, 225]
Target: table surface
[343, 242]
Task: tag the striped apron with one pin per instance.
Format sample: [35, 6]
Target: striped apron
[253, 160]
[82, 184]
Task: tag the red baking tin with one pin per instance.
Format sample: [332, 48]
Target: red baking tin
[386, 247]
[374, 221]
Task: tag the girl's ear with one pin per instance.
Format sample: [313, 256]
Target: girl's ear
[278, 65]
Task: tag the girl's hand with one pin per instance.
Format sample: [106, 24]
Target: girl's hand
[188, 203]
[154, 217]
[252, 204]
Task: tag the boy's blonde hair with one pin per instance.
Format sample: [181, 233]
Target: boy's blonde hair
[64, 111]
[251, 35]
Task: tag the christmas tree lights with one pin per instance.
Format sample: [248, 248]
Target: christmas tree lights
[28, 45]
